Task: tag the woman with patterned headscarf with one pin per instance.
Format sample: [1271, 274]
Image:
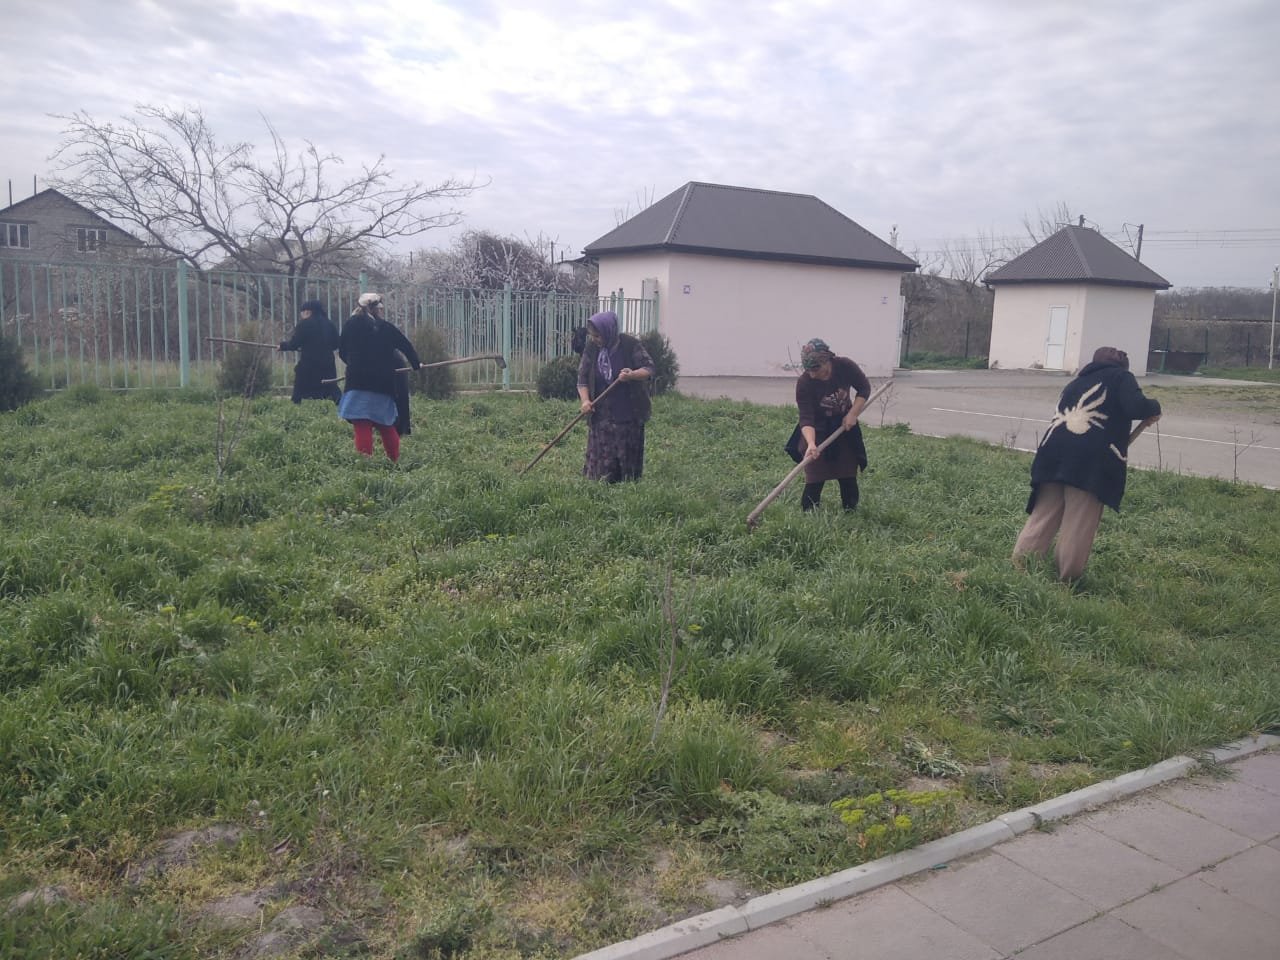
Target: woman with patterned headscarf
[831, 391]
[615, 443]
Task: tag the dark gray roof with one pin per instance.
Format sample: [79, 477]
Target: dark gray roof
[15, 209]
[755, 224]
[1080, 255]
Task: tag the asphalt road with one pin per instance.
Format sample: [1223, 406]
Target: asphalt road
[1231, 433]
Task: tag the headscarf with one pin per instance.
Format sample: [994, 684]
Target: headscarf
[1111, 355]
[814, 354]
[316, 307]
[605, 324]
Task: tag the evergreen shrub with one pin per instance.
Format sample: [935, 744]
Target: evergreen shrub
[18, 385]
[437, 384]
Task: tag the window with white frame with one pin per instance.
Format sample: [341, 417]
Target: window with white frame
[15, 235]
[89, 239]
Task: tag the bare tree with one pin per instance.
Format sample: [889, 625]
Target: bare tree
[970, 260]
[485, 260]
[1047, 223]
[643, 200]
[164, 174]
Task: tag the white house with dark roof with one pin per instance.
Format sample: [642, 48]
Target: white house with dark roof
[744, 277]
[1070, 294]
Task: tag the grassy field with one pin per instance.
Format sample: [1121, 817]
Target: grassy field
[426, 696]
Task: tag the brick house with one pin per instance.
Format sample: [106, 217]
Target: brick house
[50, 227]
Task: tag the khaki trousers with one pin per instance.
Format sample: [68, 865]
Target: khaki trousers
[1070, 513]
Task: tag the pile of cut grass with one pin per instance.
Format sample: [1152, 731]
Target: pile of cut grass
[427, 693]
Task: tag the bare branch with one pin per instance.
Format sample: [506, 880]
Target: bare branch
[163, 174]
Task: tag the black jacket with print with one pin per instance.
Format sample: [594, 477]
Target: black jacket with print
[1087, 443]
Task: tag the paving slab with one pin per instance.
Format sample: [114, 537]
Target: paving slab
[1261, 770]
[1183, 840]
[768, 943]
[889, 924]
[1240, 807]
[1201, 922]
[1000, 902]
[1252, 876]
[1068, 856]
[1103, 938]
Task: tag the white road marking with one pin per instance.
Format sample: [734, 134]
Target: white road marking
[1170, 436]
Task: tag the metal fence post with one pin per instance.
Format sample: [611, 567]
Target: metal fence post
[184, 338]
[364, 282]
[508, 321]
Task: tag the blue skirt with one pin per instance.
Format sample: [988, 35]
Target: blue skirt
[367, 405]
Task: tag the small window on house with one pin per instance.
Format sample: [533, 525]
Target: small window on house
[15, 235]
[89, 239]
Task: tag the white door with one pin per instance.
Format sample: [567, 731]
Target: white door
[1055, 347]
[902, 319]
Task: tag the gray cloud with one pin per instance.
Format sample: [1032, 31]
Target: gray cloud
[943, 119]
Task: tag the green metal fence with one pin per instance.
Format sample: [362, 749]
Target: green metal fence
[126, 326]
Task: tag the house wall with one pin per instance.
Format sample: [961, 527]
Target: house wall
[52, 221]
[735, 317]
[1118, 317]
[1098, 315]
[1020, 324]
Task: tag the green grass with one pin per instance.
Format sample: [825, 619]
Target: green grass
[1242, 373]
[942, 361]
[427, 693]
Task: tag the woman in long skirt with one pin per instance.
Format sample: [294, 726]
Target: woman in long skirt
[615, 444]
[829, 393]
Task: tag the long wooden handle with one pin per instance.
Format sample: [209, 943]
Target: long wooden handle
[572, 423]
[501, 361]
[753, 518]
[497, 357]
[246, 343]
[1138, 429]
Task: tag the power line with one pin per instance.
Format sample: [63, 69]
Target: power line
[1230, 237]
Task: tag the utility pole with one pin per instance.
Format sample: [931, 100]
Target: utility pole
[1138, 256]
[1275, 282]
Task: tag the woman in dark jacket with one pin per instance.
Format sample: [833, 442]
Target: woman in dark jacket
[368, 346]
[1080, 464]
[615, 444]
[315, 338]
[831, 391]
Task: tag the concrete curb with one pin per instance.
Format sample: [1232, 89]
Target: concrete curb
[708, 928]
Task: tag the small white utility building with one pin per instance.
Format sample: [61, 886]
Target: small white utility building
[743, 277]
[1070, 294]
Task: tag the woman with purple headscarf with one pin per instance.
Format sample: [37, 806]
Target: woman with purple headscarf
[831, 391]
[615, 444]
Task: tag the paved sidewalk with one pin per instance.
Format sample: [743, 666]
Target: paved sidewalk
[1189, 870]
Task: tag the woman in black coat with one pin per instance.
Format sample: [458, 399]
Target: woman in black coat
[371, 349]
[315, 338]
[1081, 462]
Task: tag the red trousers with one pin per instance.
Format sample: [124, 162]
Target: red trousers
[364, 439]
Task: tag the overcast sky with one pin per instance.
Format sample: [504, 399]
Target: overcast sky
[946, 119]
